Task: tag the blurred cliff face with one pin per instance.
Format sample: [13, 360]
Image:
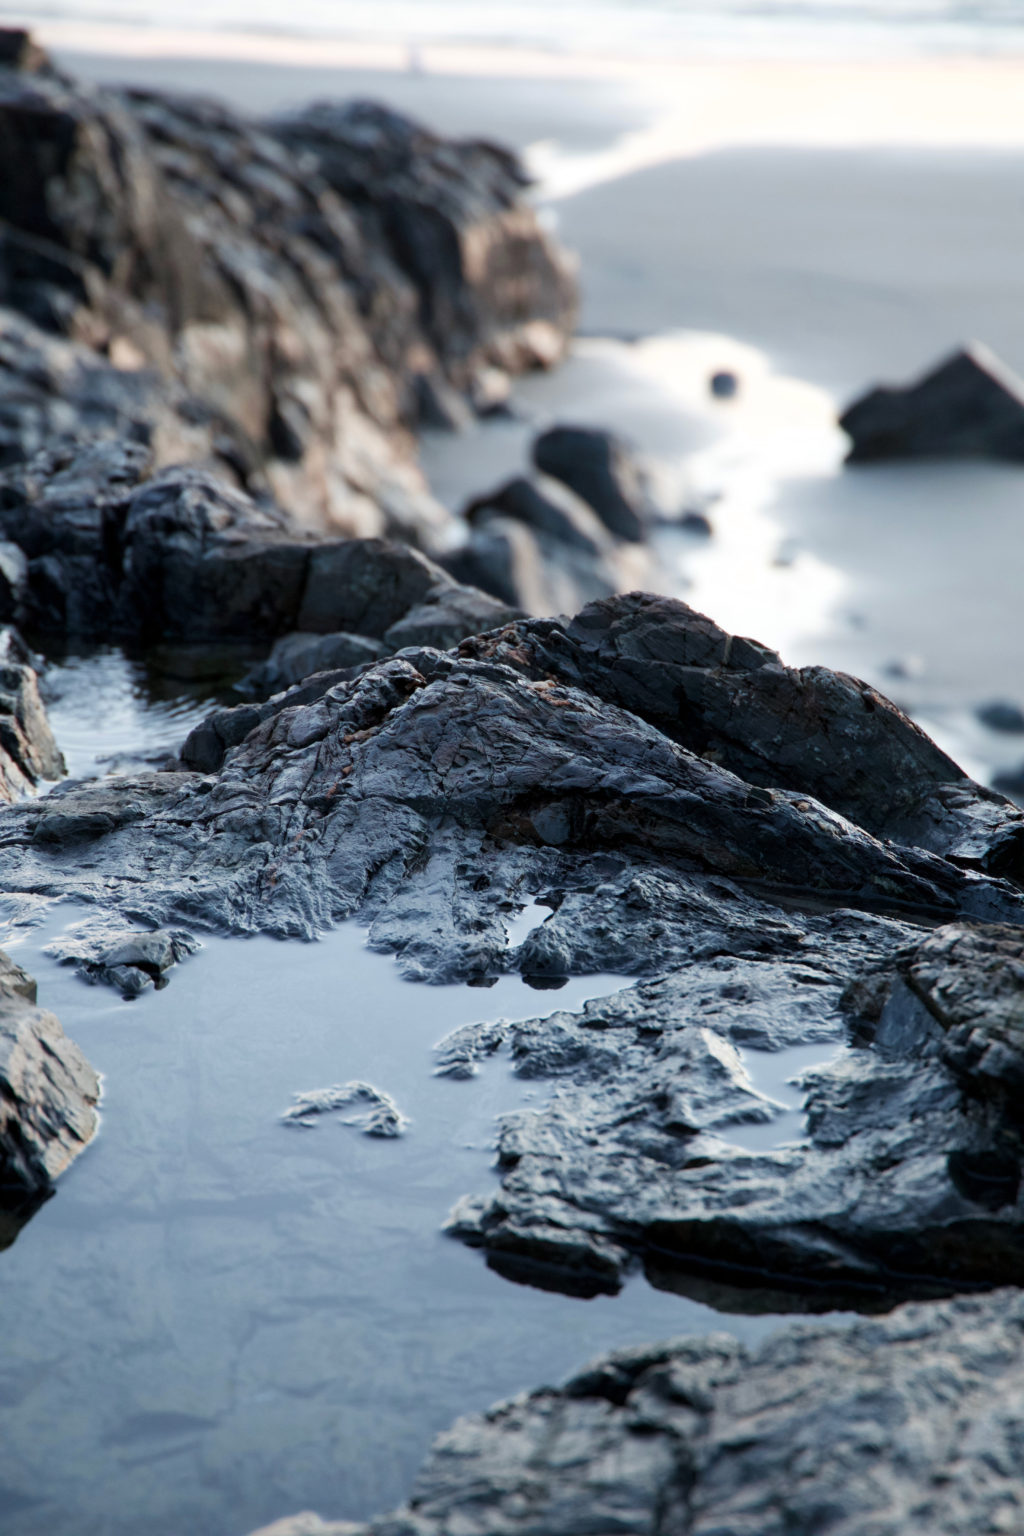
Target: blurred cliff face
[290, 296]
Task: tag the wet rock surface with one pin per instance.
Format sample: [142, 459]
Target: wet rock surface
[907, 1426]
[439, 792]
[48, 1097]
[970, 404]
[105, 952]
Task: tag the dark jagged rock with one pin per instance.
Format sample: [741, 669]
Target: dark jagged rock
[970, 404]
[436, 792]
[48, 1097]
[603, 471]
[907, 1426]
[808, 730]
[208, 266]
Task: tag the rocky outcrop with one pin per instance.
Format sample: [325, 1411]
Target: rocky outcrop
[107, 548]
[436, 792]
[273, 292]
[809, 730]
[970, 404]
[48, 1097]
[28, 752]
[908, 1426]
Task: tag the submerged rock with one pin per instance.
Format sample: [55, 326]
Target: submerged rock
[970, 404]
[132, 960]
[1002, 715]
[372, 1111]
[906, 1426]
[48, 1097]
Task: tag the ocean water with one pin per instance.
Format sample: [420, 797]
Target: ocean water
[641, 27]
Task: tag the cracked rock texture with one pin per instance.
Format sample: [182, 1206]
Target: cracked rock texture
[907, 1426]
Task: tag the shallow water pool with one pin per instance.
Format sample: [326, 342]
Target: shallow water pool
[218, 1318]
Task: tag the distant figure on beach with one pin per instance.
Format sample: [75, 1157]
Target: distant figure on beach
[414, 63]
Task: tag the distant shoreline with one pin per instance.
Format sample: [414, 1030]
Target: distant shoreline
[694, 106]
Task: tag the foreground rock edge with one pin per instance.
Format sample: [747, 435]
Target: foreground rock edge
[906, 1426]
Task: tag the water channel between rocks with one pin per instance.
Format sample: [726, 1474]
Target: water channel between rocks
[219, 1318]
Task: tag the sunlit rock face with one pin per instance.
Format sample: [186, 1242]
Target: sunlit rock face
[279, 298]
[48, 1097]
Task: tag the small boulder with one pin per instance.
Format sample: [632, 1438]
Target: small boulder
[1001, 715]
[300, 654]
[724, 385]
[602, 469]
[970, 405]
